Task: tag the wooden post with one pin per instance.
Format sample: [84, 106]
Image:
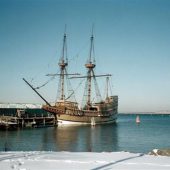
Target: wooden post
[22, 123]
[44, 121]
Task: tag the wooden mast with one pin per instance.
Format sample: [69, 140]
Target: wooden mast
[90, 65]
[62, 63]
[64, 80]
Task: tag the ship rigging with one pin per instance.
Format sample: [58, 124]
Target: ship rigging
[66, 109]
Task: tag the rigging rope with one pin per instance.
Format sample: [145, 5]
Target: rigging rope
[52, 78]
[79, 84]
[75, 89]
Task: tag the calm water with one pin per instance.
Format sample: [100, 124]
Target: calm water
[126, 135]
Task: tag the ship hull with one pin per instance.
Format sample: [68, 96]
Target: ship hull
[100, 113]
[80, 120]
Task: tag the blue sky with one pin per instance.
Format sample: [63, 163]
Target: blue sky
[132, 39]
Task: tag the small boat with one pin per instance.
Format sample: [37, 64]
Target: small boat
[137, 119]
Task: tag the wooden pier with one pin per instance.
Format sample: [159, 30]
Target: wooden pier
[10, 122]
[36, 121]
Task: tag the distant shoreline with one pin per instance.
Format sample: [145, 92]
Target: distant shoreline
[145, 113]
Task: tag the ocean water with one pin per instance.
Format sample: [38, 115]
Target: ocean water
[125, 135]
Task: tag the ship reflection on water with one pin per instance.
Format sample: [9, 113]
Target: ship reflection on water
[122, 136]
[63, 138]
[86, 138]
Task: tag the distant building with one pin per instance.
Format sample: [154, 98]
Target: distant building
[13, 109]
[27, 109]
[20, 105]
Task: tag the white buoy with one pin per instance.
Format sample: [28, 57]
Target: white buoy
[137, 119]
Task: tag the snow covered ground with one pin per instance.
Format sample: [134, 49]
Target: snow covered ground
[81, 161]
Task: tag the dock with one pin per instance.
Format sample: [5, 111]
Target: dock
[27, 118]
[10, 122]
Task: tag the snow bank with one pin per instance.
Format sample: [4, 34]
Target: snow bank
[81, 160]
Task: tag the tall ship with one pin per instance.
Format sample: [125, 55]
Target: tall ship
[93, 110]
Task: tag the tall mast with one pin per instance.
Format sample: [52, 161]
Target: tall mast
[90, 65]
[65, 90]
[63, 63]
[107, 84]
